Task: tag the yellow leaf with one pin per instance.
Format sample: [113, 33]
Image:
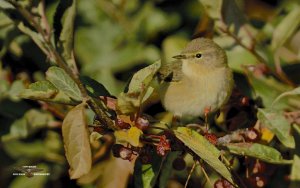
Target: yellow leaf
[134, 136]
[131, 136]
[266, 134]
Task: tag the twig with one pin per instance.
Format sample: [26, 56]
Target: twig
[252, 50]
[205, 174]
[279, 71]
[190, 174]
[99, 110]
[44, 20]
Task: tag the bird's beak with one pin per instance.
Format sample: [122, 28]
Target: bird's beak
[180, 56]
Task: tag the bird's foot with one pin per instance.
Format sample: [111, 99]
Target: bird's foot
[207, 110]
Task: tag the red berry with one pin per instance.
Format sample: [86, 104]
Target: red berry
[163, 146]
[142, 123]
[222, 183]
[212, 138]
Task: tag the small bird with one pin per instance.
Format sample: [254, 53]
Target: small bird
[198, 82]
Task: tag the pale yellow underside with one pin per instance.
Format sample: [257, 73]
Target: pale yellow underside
[199, 88]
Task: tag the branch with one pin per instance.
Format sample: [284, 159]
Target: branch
[251, 49]
[99, 110]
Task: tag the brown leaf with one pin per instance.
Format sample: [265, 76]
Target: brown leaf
[76, 142]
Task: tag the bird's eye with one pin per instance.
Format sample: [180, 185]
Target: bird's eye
[198, 55]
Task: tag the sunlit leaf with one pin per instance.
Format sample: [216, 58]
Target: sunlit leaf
[286, 28]
[278, 124]
[138, 88]
[36, 37]
[46, 91]
[204, 149]
[259, 151]
[59, 78]
[213, 8]
[6, 5]
[131, 136]
[76, 142]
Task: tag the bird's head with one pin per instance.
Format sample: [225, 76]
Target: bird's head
[204, 52]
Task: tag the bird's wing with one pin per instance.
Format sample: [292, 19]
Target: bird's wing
[170, 72]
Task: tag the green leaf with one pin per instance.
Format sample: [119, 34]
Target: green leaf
[59, 78]
[204, 149]
[167, 168]
[16, 88]
[46, 91]
[64, 30]
[286, 28]
[213, 8]
[278, 124]
[38, 119]
[141, 79]
[295, 175]
[32, 121]
[76, 142]
[6, 5]
[17, 149]
[18, 129]
[295, 91]
[94, 88]
[40, 89]
[138, 89]
[36, 37]
[268, 89]
[259, 151]
[145, 175]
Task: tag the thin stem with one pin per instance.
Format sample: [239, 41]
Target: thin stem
[190, 174]
[99, 110]
[252, 50]
[279, 70]
[205, 174]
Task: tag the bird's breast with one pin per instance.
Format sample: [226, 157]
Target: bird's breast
[195, 92]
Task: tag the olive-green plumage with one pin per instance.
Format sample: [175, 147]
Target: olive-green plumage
[199, 79]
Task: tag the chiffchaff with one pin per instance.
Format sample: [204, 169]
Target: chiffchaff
[198, 81]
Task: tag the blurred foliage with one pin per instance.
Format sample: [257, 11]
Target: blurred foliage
[112, 41]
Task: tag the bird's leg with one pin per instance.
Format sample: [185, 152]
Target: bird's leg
[175, 119]
[207, 110]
